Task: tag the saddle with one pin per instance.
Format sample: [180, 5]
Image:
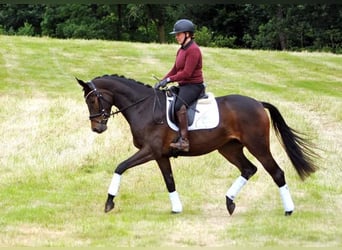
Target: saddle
[202, 114]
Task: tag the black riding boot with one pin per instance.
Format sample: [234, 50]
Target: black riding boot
[183, 142]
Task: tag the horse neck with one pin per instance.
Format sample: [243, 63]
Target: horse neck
[126, 94]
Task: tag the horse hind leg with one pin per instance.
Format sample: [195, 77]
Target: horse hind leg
[264, 156]
[278, 177]
[233, 152]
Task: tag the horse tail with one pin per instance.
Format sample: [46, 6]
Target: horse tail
[298, 149]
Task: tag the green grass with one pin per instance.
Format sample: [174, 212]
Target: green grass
[54, 172]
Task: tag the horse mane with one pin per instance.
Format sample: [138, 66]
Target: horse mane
[123, 79]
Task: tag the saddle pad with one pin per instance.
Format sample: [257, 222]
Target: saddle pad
[206, 116]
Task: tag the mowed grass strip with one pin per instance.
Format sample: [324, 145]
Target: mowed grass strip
[54, 172]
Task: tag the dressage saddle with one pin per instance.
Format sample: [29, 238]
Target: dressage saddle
[191, 110]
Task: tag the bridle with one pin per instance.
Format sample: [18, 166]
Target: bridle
[102, 111]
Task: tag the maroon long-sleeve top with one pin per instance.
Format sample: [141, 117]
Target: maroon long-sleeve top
[188, 65]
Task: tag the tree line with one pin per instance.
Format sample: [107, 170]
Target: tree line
[292, 27]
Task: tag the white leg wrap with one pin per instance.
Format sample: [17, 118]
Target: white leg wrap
[286, 198]
[175, 202]
[114, 185]
[236, 187]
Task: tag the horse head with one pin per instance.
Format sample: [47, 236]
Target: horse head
[99, 107]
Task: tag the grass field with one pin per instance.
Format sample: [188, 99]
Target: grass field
[54, 172]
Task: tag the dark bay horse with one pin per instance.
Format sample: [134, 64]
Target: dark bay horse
[243, 122]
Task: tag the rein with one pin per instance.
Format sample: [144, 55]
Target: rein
[103, 112]
[129, 106]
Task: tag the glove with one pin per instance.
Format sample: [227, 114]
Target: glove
[162, 83]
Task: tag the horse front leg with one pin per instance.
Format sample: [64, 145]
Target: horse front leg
[142, 156]
[165, 168]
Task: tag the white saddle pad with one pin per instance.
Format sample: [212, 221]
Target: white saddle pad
[206, 116]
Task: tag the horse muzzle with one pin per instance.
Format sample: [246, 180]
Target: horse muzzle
[98, 127]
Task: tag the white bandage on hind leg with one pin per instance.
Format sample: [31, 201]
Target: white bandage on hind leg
[286, 198]
[175, 202]
[236, 187]
[114, 185]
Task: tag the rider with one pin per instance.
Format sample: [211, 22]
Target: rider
[187, 71]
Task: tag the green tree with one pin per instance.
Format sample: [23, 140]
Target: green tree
[272, 26]
[80, 21]
[14, 16]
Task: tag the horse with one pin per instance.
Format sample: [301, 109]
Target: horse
[243, 123]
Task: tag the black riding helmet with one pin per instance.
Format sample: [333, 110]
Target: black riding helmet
[183, 25]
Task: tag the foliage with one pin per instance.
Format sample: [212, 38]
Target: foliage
[203, 36]
[26, 30]
[275, 26]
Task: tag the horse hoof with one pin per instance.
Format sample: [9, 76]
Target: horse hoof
[175, 212]
[230, 205]
[288, 213]
[109, 206]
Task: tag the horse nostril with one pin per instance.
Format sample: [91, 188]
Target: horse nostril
[96, 129]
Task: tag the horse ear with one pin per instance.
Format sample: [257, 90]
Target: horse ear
[82, 83]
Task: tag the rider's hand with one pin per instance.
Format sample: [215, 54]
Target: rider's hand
[162, 83]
